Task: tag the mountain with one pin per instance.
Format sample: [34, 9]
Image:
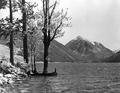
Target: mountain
[114, 58]
[59, 53]
[93, 51]
[77, 50]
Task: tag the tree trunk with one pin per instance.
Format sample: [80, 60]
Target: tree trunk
[11, 36]
[31, 58]
[11, 49]
[25, 47]
[46, 47]
[35, 70]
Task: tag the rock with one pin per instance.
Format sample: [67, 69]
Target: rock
[1, 75]
[9, 76]
[1, 82]
[4, 80]
[8, 72]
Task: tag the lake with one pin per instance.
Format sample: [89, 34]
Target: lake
[73, 78]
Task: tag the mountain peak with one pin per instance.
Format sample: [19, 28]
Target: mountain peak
[90, 50]
[79, 38]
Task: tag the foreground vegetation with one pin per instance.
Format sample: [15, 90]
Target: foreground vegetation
[9, 73]
[31, 27]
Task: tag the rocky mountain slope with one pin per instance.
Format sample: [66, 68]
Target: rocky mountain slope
[77, 50]
[93, 51]
[59, 53]
[114, 58]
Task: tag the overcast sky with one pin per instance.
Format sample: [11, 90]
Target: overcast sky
[95, 20]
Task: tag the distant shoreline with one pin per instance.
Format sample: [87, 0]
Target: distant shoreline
[53, 62]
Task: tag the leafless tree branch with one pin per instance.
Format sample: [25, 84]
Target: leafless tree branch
[55, 31]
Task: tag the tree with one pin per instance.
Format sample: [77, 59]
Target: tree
[25, 46]
[34, 36]
[8, 24]
[33, 40]
[4, 2]
[26, 14]
[52, 24]
[11, 35]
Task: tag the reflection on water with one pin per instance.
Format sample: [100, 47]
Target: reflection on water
[73, 78]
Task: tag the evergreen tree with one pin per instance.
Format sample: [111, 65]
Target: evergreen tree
[11, 35]
[25, 45]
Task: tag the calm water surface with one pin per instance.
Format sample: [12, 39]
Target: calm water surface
[73, 78]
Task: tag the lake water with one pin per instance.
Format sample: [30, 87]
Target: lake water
[73, 78]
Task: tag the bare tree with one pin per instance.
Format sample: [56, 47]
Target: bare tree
[33, 40]
[52, 24]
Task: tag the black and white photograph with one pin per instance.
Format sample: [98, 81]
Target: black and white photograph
[59, 46]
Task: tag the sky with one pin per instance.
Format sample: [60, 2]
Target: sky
[94, 20]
